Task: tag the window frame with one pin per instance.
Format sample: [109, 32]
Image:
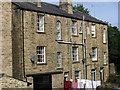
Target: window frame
[75, 54]
[79, 76]
[95, 53]
[102, 74]
[104, 36]
[66, 75]
[105, 58]
[58, 30]
[93, 30]
[59, 62]
[74, 28]
[40, 22]
[43, 54]
[81, 28]
[93, 75]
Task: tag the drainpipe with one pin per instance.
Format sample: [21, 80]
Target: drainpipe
[23, 62]
[84, 49]
[70, 39]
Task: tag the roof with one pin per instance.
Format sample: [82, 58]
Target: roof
[55, 10]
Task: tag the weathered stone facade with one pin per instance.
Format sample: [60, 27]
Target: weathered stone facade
[9, 82]
[6, 40]
[20, 39]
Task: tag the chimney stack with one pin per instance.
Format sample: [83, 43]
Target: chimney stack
[37, 2]
[66, 5]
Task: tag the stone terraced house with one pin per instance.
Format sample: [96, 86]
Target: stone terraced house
[42, 44]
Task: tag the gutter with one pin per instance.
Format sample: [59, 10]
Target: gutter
[46, 73]
[70, 43]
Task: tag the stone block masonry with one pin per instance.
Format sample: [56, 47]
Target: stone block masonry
[9, 82]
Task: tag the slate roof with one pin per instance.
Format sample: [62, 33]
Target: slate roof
[55, 10]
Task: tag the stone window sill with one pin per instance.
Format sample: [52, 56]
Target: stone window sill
[76, 62]
[59, 68]
[41, 63]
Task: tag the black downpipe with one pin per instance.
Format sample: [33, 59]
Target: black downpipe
[24, 76]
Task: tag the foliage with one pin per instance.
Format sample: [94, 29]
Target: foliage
[114, 79]
[81, 8]
[114, 46]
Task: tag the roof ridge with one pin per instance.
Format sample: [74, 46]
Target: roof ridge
[55, 10]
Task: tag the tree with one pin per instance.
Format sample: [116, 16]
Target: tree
[81, 8]
[114, 46]
[113, 36]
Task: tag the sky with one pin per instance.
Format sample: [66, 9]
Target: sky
[106, 10]
[119, 15]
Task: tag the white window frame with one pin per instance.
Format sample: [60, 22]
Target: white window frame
[102, 75]
[77, 73]
[105, 58]
[75, 54]
[74, 27]
[59, 60]
[81, 28]
[94, 53]
[93, 30]
[58, 30]
[41, 53]
[40, 23]
[93, 75]
[66, 74]
[104, 35]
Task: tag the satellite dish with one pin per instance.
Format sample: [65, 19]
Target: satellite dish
[33, 58]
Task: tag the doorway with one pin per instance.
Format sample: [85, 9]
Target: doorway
[43, 82]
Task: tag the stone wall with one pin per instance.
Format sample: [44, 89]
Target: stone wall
[0, 37]
[9, 82]
[101, 48]
[19, 44]
[6, 38]
[57, 81]
[32, 39]
[112, 68]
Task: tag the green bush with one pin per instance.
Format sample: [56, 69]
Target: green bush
[114, 79]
